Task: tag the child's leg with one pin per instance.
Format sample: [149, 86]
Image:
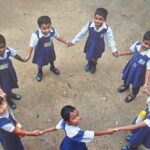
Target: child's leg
[39, 74]
[9, 101]
[88, 66]
[130, 97]
[54, 69]
[93, 66]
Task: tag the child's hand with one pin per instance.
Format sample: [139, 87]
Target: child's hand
[110, 131]
[69, 44]
[116, 54]
[27, 58]
[36, 133]
[2, 94]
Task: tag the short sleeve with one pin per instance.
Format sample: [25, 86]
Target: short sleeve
[147, 122]
[61, 124]
[13, 52]
[8, 127]
[34, 40]
[56, 35]
[132, 48]
[148, 65]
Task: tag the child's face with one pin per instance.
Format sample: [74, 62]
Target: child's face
[45, 28]
[3, 108]
[98, 20]
[2, 47]
[146, 44]
[74, 118]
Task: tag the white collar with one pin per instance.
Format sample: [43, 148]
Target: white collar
[104, 26]
[42, 35]
[5, 115]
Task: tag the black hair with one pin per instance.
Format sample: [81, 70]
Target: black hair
[2, 39]
[43, 20]
[1, 100]
[65, 112]
[146, 36]
[101, 12]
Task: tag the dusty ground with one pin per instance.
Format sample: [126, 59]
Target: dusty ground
[95, 95]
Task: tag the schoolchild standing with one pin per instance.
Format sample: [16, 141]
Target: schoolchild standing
[8, 78]
[137, 70]
[42, 43]
[75, 138]
[95, 45]
[10, 129]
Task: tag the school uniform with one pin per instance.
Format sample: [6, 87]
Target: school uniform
[44, 52]
[134, 71]
[95, 44]
[141, 136]
[8, 139]
[75, 138]
[8, 78]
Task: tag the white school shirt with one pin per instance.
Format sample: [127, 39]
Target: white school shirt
[8, 127]
[12, 51]
[147, 53]
[72, 131]
[108, 35]
[34, 39]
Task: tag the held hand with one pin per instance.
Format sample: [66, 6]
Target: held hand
[36, 133]
[116, 54]
[27, 58]
[2, 94]
[110, 131]
[69, 44]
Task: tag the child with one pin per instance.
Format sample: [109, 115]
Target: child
[140, 132]
[42, 43]
[8, 78]
[95, 45]
[137, 70]
[75, 138]
[10, 129]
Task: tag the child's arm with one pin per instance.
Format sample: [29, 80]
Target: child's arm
[30, 53]
[18, 57]
[130, 127]
[61, 39]
[99, 133]
[26, 133]
[147, 77]
[48, 130]
[126, 52]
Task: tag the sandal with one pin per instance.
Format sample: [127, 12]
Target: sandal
[15, 96]
[122, 88]
[39, 77]
[128, 147]
[129, 98]
[55, 70]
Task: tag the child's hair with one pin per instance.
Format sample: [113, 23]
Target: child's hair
[1, 100]
[65, 112]
[2, 39]
[43, 20]
[146, 36]
[101, 12]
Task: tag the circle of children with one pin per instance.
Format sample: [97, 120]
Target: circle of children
[135, 73]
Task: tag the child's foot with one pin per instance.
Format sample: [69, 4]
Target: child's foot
[54, 70]
[122, 88]
[39, 77]
[128, 147]
[11, 104]
[88, 67]
[93, 69]
[129, 98]
[128, 137]
[16, 96]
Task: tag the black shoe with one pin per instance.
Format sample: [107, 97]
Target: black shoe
[129, 98]
[54, 70]
[128, 137]
[11, 104]
[16, 96]
[39, 77]
[128, 147]
[88, 67]
[93, 69]
[122, 88]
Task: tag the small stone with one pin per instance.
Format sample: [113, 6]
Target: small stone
[65, 94]
[37, 116]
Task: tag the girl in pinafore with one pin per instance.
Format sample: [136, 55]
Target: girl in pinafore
[95, 45]
[137, 70]
[41, 42]
[8, 78]
[10, 130]
[75, 138]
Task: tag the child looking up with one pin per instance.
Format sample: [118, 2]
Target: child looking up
[75, 138]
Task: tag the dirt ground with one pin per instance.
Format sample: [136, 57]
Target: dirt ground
[95, 96]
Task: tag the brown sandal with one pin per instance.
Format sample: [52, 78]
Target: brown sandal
[129, 98]
[122, 88]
